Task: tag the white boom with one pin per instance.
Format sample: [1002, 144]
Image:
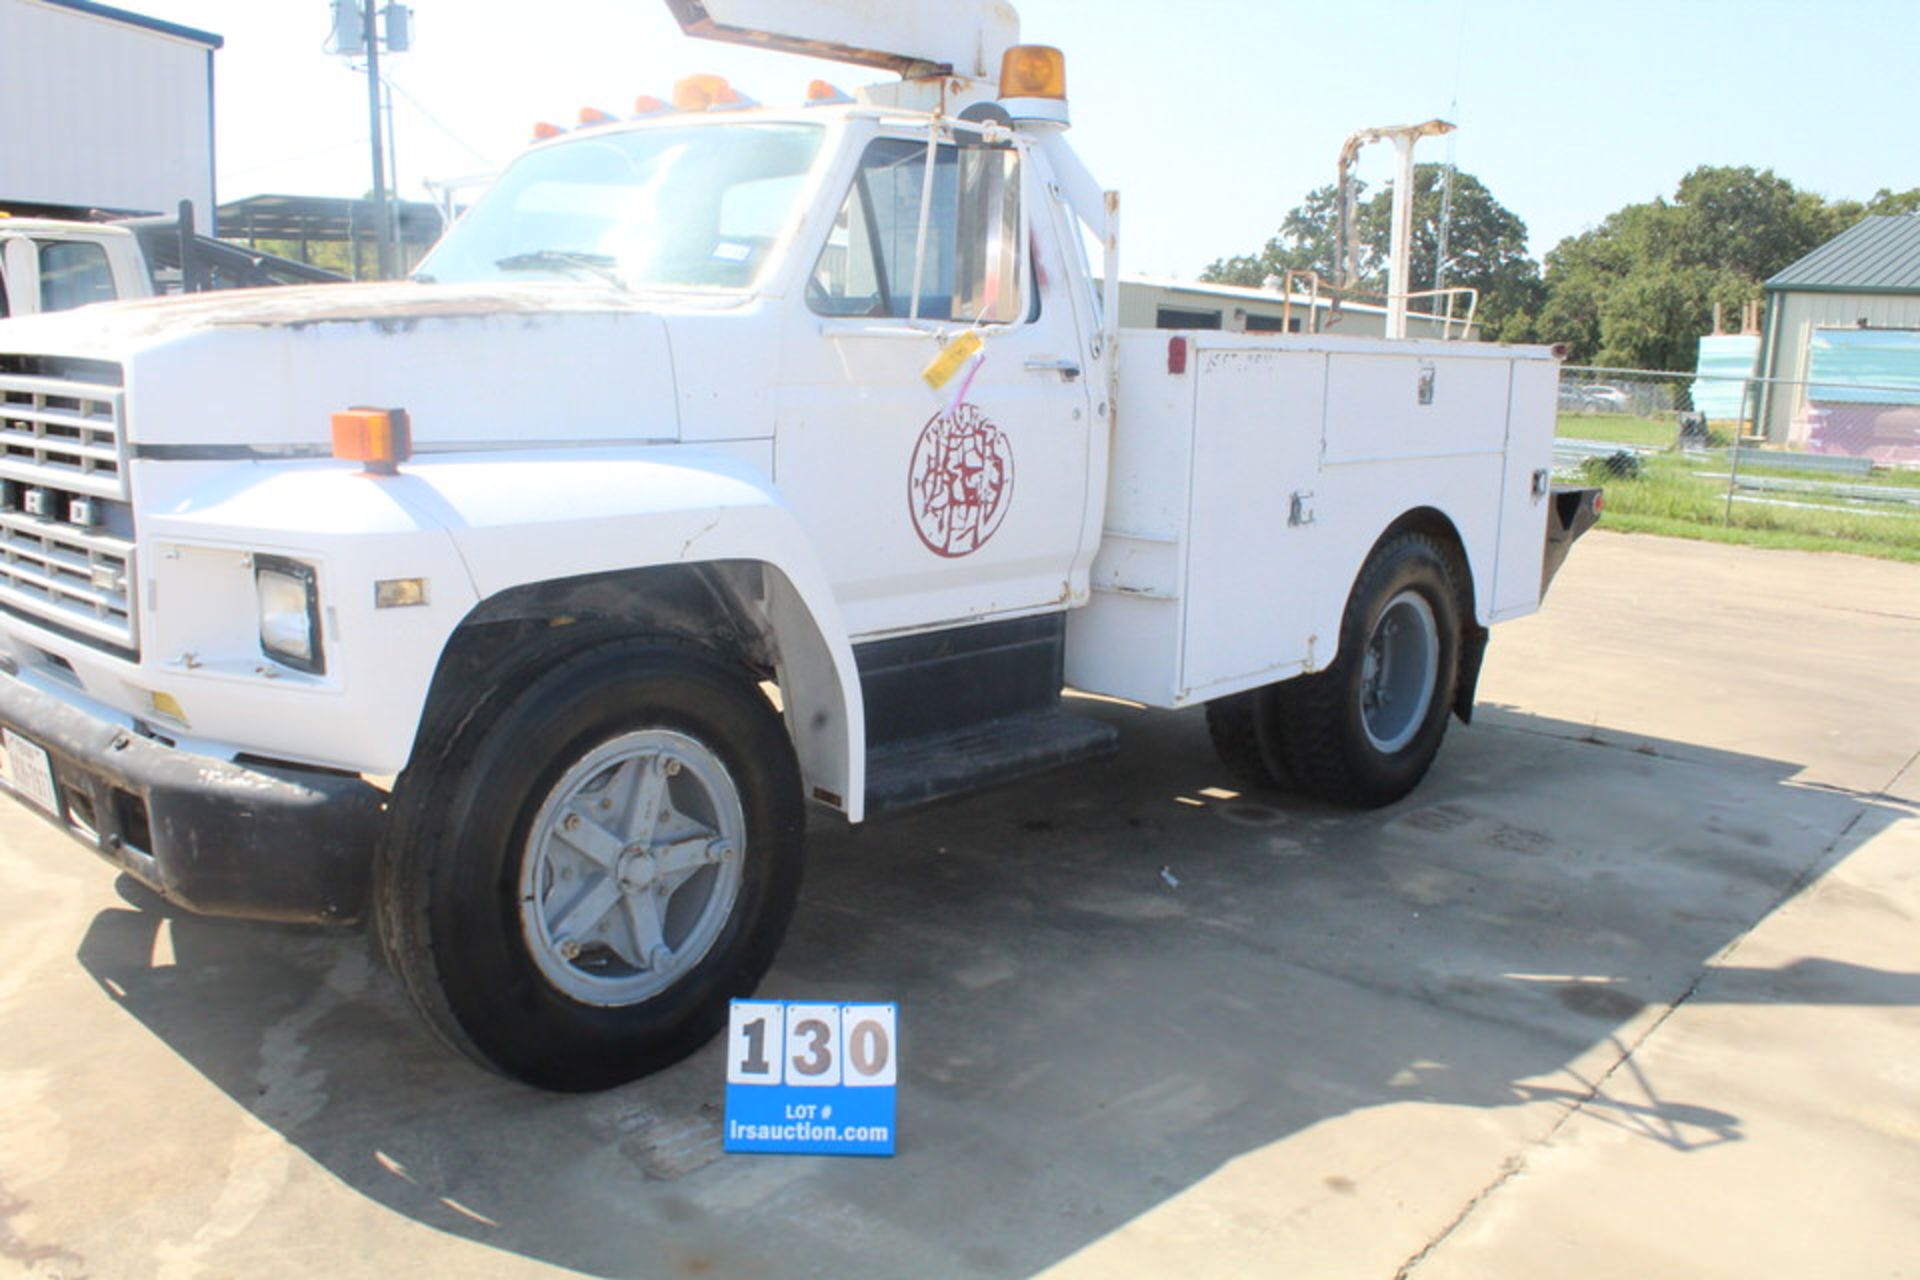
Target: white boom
[961, 37]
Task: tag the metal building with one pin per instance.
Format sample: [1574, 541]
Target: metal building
[1843, 332]
[104, 109]
[1149, 303]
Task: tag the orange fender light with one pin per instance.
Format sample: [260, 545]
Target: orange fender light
[381, 439]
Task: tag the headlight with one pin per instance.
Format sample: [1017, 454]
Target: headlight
[289, 612]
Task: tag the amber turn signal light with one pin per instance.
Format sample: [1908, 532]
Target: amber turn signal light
[382, 439]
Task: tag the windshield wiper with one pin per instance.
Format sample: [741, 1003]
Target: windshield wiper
[598, 264]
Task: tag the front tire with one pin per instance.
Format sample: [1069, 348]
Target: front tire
[575, 890]
[1367, 729]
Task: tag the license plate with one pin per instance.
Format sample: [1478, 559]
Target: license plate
[25, 768]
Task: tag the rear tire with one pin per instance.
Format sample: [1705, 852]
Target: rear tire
[1367, 729]
[1238, 725]
[574, 891]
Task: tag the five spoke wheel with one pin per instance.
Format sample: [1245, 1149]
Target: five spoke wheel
[631, 867]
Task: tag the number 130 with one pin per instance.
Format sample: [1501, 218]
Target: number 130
[770, 1043]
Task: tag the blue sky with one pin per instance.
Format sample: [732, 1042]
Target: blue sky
[1213, 117]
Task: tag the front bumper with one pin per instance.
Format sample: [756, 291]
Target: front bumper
[252, 841]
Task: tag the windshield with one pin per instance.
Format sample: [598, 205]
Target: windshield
[695, 207]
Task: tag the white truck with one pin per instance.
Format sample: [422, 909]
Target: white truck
[527, 605]
[57, 264]
[51, 264]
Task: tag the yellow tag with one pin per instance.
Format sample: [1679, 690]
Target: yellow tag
[940, 370]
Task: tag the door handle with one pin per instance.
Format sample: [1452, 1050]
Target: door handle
[1068, 369]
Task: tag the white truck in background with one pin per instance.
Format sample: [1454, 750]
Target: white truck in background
[718, 463]
[57, 264]
[51, 264]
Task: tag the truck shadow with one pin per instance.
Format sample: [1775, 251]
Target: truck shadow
[1113, 981]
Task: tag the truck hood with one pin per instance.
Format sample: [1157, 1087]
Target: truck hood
[485, 367]
[115, 330]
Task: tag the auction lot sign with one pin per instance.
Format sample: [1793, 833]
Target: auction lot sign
[811, 1079]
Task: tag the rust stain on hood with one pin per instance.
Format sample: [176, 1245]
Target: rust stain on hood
[397, 304]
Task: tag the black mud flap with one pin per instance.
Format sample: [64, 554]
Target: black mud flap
[1573, 511]
[1473, 652]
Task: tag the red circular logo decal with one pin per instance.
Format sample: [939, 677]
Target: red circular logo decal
[961, 482]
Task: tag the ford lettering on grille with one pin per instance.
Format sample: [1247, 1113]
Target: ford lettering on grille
[66, 520]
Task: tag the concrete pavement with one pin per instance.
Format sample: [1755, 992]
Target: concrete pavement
[1627, 988]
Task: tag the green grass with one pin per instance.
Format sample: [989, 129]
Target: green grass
[1617, 428]
[1770, 539]
[1670, 498]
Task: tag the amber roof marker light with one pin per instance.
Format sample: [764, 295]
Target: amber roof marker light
[697, 93]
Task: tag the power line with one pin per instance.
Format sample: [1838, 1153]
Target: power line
[359, 142]
[468, 147]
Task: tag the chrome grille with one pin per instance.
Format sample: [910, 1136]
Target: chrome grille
[65, 435]
[66, 522]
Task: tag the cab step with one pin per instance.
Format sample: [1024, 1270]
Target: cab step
[984, 754]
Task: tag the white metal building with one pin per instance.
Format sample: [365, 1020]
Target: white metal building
[104, 109]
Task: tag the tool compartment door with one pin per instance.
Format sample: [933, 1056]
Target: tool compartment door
[1523, 498]
[1398, 406]
[1250, 580]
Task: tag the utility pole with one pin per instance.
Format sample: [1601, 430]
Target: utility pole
[384, 218]
[360, 28]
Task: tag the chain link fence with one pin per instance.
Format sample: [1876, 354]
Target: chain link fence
[1744, 459]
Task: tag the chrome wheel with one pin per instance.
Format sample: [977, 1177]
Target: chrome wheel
[1398, 669]
[631, 868]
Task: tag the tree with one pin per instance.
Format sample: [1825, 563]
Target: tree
[1887, 202]
[1637, 291]
[1486, 244]
[1746, 222]
[1305, 242]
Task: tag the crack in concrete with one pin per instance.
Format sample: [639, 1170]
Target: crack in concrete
[1508, 1171]
[1591, 738]
[1871, 613]
[1516, 1164]
[1905, 769]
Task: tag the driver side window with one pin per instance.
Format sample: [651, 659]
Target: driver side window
[971, 270]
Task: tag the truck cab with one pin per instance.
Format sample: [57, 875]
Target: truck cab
[49, 264]
[720, 464]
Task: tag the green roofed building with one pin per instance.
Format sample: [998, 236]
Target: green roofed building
[1843, 332]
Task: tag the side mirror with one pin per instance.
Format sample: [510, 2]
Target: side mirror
[987, 250]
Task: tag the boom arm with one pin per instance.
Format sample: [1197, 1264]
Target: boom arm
[960, 37]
